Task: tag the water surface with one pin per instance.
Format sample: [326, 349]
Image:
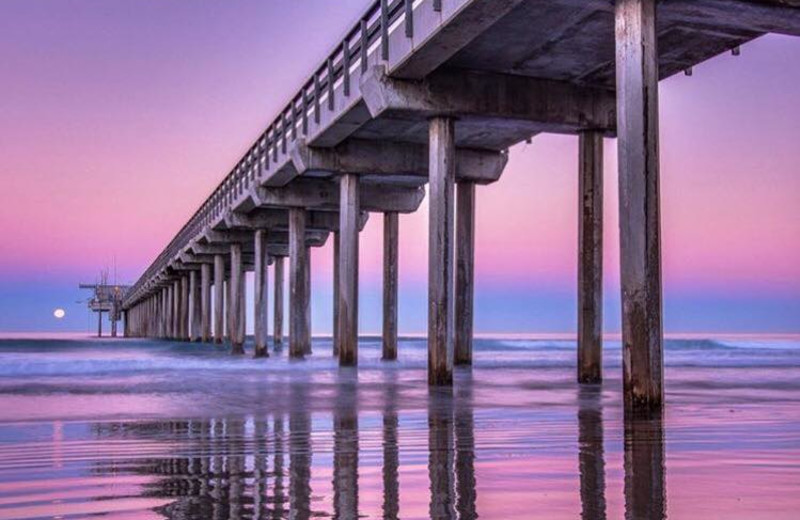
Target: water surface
[151, 429]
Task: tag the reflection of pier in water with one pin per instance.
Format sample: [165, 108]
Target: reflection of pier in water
[235, 467]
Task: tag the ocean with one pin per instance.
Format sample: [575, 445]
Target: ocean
[155, 429]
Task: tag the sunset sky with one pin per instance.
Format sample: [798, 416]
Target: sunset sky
[118, 118]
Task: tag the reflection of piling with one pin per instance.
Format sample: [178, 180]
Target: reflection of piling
[300, 455]
[591, 459]
[391, 452]
[645, 483]
[440, 458]
[465, 452]
[345, 461]
[277, 465]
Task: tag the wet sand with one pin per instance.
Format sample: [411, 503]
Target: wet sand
[146, 429]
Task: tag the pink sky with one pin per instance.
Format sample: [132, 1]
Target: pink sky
[117, 120]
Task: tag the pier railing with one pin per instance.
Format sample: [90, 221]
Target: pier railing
[371, 33]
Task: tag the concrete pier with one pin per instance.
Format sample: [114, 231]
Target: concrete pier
[441, 103]
[440, 251]
[350, 208]
[299, 323]
[277, 324]
[639, 204]
[465, 272]
[391, 234]
[261, 290]
[205, 302]
[219, 298]
[237, 300]
[590, 258]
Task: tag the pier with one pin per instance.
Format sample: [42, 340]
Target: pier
[424, 98]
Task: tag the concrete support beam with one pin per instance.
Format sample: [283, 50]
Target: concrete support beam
[740, 14]
[348, 270]
[337, 240]
[590, 258]
[391, 233]
[194, 309]
[392, 159]
[261, 289]
[205, 302]
[308, 292]
[316, 194]
[219, 298]
[551, 106]
[465, 272]
[440, 251]
[278, 219]
[277, 325]
[299, 325]
[639, 222]
[237, 300]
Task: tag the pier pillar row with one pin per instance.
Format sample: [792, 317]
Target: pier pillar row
[391, 233]
[465, 272]
[261, 290]
[277, 324]
[237, 326]
[219, 298]
[205, 302]
[639, 206]
[299, 323]
[349, 211]
[590, 257]
[440, 250]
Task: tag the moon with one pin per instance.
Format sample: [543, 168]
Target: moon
[59, 313]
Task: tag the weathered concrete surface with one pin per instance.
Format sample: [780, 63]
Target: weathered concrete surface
[278, 220]
[590, 258]
[336, 255]
[277, 325]
[318, 194]
[237, 314]
[514, 107]
[261, 290]
[299, 300]
[194, 306]
[205, 302]
[219, 298]
[440, 252]
[465, 272]
[382, 160]
[348, 270]
[639, 205]
[391, 234]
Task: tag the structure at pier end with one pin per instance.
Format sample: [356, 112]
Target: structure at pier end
[435, 92]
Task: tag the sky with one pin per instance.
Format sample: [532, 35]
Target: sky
[117, 119]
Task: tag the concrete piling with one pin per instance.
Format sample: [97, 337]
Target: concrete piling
[465, 272]
[349, 210]
[261, 288]
[336, 313]
[237, 300]
[639, 204]
[590, 258]
[299, 325]
[277, 323]
[390, 284]
[219, 298]
[440, 250]
[205, 302]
